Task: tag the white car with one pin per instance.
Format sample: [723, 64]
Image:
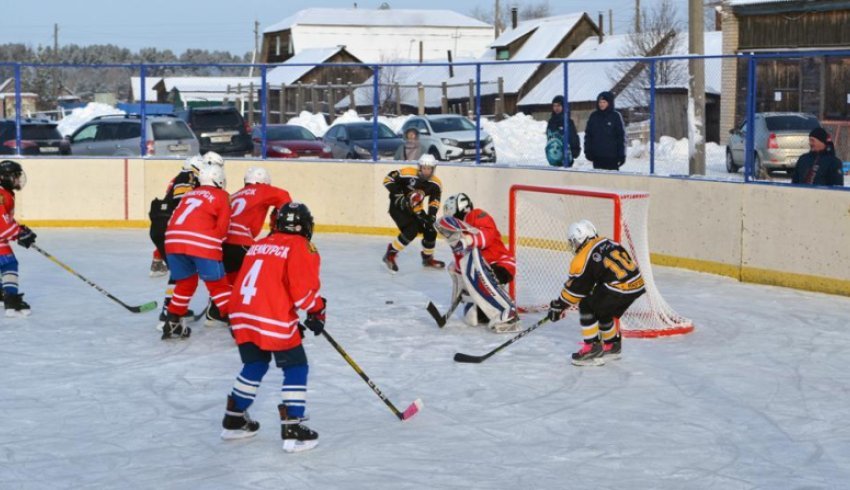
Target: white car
[450, 137]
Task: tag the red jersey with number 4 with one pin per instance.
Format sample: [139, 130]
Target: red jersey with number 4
[489, 240]
[279, 276]
[9, 228]
[199, 223]
[249, 208]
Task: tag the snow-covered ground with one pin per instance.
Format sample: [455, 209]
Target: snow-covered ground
[82, 115]
[756, 397]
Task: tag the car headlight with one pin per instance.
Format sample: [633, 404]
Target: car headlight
[362, 151]
[449, 141]
[282, 149]
[326, 149]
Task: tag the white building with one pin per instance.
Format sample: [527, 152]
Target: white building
[381, 35]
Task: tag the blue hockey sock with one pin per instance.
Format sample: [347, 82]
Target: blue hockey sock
[294, 391]
[9, 273]
[247, 383]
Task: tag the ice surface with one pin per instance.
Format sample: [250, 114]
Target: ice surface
[91, 398]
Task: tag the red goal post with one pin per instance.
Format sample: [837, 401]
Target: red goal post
[538, 220]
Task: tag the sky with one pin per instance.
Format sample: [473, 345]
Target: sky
[215, 24]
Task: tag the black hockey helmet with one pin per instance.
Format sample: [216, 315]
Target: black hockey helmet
[294, 218]
[12, 176]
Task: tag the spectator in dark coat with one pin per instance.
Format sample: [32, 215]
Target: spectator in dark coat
[605, 135]
[819, 166]
[556, 127]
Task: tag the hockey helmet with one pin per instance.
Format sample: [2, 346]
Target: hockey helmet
[193, 164]
[257, 175]
[427, 161]
[579, 233]
[213, 158]
[12, 175]
[458, 205]
[212, 175]
[295, 219]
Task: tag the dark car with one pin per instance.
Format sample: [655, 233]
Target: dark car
[289, 141]
[220, 129]
[38, 137]
[353, 141]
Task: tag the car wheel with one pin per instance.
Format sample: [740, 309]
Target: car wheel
[435, 153]
[730, 163]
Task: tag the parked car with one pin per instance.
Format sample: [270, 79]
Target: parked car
[353, 141]
[779, 140]
[289, 141]
[38, 137]
[220, 129]
[451, 137]
[120, 135]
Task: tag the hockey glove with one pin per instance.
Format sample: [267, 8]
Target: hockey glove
[316, 320]
[462, 245]
[26, 237]
[556, 309]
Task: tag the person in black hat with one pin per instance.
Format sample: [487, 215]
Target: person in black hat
[555, 137]
[819, 166]
[605, 135]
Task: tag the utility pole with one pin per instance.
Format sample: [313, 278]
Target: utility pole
[610, 22]
[56, 60]
[696, 99]
[256, 47]
[637, 15]
[496, 11]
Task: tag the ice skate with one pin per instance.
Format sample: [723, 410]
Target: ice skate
[236, 424]
[175, 327]
[389, 259]
[429, 262]
[15, 305]
[296, 436]
[612, 349]
[511, 326]
[158, 268]
[163, 315]
[213, 317]
[590, 354]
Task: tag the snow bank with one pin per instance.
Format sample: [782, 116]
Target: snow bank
[518, 139]
[317, 125]
[313, 122]
[82, 115]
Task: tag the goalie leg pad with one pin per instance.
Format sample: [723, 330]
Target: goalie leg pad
[483, 288]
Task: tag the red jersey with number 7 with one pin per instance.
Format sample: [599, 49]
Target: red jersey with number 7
[279, 276]
[249, 207]
[9, 228]
[199, 223]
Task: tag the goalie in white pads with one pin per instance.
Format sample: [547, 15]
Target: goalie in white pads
[474, 281]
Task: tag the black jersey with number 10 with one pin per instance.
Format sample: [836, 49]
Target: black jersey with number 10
[602, 263]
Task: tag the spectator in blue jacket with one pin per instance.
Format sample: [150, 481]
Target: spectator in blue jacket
[605, 135]
[819, 166]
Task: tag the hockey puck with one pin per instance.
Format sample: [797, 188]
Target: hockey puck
[389, 302]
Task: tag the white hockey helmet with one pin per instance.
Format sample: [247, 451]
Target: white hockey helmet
[212, 175]
[458, 205]
[579, 233]
[193, 164]
[427, 161]
[213, 158]
[257, 175]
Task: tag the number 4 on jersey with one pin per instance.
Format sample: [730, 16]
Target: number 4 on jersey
[248, 288]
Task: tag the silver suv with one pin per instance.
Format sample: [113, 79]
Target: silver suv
[780, 138]
[120, 135]
[450, 137]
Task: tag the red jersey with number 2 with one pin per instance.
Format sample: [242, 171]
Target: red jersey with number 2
[199, 224]
[279, 276]
[489, 240]
[249, 208]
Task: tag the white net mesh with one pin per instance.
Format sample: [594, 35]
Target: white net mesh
[539, 220]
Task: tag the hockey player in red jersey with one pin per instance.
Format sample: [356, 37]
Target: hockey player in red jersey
[249, 207]
[486, 237]
[193, 247]
[162, 209]
[279, 277]
[12, 178]
[604, 281]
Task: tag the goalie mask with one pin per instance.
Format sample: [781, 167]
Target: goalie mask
[458, 205]
[579, 233]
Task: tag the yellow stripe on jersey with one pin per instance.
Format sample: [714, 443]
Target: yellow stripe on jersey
[181, 189]
[409, 172]
[628, 287]
[579, 262]
[568, 297]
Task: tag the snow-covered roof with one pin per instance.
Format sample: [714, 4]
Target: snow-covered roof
[136, 87]
[380, 17]
[290, 74]
[430, 76]
[194, 88]
[588, 79]
[735, 3]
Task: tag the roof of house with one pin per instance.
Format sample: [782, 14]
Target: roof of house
[194, 88]
[430, 76]
[377, 17]
[286, 74]
[587, 79]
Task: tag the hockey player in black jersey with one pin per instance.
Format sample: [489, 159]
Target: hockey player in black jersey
[604, 281]
[415, 194]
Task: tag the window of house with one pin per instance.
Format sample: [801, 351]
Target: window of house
[503, 54]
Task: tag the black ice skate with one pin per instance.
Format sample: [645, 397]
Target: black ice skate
[15, 305]
[429, 262]
[296, 436]
[158, 268]
[163, 315]
[389, 259]
[590, 354]
[611, 349]
[213, 317]
[175, 327]
[236, 424]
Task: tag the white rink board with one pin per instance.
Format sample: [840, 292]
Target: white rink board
[755, 398]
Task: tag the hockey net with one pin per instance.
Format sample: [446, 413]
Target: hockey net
[539, 218]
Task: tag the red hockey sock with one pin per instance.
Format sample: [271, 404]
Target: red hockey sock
[183, 291]
[219, 293]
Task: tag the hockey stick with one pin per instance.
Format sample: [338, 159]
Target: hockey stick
[460, 357]
[443, 319]
[135, 309]
[412, 410]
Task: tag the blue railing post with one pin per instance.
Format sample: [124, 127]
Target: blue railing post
[264, 108]
[749, 144]
[18, 107]
[568, 155]
[652, 117]
[478, 114]
[143, 140]
[375, 103]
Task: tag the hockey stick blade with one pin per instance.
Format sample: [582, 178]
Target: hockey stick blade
[143, 308]
[435, 313]
[466, 358]
[461, 357]
[412, 410]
